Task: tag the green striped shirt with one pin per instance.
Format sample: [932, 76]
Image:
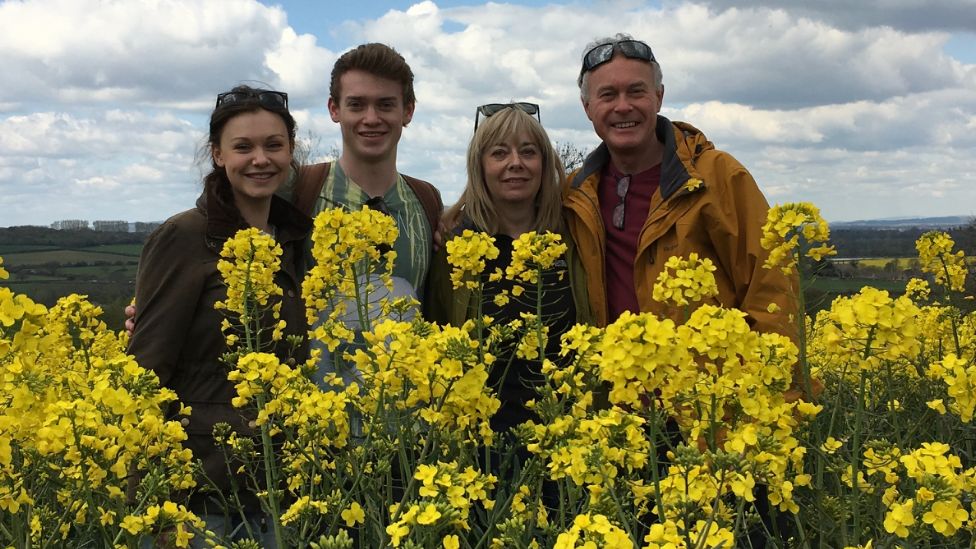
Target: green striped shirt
[413, 244]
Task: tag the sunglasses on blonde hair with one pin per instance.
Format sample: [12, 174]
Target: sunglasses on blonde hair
[491, 109]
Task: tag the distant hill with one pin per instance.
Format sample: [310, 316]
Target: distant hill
[944, 222]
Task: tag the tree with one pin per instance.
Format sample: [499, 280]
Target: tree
[571, 155]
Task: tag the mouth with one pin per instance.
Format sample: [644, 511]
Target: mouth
[371, 135]
[261, 176]
[624, 125]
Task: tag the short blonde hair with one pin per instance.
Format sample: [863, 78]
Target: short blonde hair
[476, 203]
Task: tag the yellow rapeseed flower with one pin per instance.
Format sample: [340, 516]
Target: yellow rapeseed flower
[792, 230]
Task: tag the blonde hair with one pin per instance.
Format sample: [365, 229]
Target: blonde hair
[476, 204]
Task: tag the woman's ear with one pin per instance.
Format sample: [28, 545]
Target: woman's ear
[215, 154]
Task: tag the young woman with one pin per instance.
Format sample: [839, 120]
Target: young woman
[514, 184]
[177, 333]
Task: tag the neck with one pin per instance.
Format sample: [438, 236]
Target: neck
[255, 212]
[631, 161]
[374, 178]
[515, 219]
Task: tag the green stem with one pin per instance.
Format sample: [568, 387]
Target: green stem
[855, 458]
[270, 478]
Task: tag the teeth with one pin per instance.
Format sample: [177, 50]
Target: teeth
[625, 125]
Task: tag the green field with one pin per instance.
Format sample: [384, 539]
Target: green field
[7, 249]
[132, 250]
[105, 273]
[903, 263]
[853, 285]
[61, 257]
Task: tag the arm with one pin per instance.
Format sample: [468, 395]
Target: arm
[168, 286]
[735, 227]
[439, 295]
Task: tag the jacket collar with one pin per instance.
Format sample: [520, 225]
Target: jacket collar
[223, 220]
[674, 172]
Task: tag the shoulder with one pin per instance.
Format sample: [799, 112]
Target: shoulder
[421, 187]
[180, 231]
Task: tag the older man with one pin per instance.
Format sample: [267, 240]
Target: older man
[655, 189]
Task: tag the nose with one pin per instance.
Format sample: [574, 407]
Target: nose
[371, 116]
[260, 158]
[515, 161]
[621, 103]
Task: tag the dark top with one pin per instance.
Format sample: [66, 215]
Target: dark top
[514, 378]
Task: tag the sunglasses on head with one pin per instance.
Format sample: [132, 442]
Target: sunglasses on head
[633, 49]
[266, 98]
[492, 109]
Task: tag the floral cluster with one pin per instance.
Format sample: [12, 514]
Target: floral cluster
[937, 258]
[685, 281]
[346, 247]
[87, 456]
[249, 262]
[446, 496]
[435, 372]
[792, 230]
[533, 252]
[467, 256]
[594, 531]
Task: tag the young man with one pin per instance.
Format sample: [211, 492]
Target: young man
[655, 189]
[372, 99]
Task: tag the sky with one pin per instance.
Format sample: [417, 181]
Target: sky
[867, 108]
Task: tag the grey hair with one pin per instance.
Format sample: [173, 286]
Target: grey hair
[583, 79]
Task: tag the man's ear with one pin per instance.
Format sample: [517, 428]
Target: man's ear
[408, 113]
[586, 108]
[333, 110]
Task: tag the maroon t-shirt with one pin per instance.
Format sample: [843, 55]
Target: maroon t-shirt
[621, 244]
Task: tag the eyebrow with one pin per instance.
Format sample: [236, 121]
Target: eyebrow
[248, 138]
[366, 98]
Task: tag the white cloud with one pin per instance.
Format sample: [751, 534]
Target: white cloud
[154, 52]
[911, 15]
[104, 102]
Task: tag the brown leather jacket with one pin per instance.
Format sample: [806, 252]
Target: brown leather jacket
[177, 332]
[721, 219]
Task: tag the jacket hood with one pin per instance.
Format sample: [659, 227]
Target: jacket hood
[683, 145]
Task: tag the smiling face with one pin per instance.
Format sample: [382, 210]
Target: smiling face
[513, 170]
[255, 151]
[371, 114]
[622, 103]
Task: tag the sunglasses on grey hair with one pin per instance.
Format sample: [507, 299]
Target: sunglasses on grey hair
[633, 49]
[492, 109]
[266, 98]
